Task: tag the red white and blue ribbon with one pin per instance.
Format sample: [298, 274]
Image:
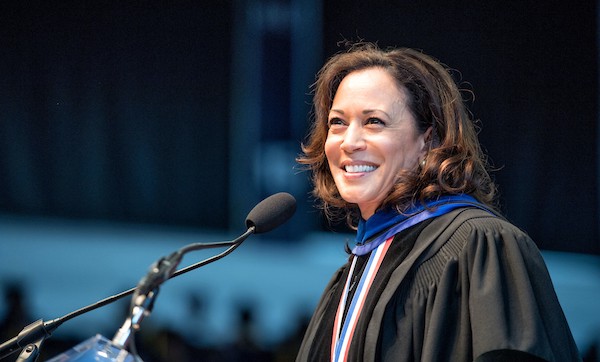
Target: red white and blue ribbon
[342, 339]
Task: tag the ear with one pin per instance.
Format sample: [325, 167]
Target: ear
[426, 140]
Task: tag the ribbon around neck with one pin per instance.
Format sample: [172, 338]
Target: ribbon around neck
[386, 223]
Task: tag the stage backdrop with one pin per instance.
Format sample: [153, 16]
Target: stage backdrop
[188, 113]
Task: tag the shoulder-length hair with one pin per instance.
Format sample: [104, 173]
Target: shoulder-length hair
[454, 164]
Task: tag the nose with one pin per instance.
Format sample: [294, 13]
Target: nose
[353, 138]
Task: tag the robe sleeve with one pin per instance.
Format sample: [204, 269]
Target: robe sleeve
[511, 300]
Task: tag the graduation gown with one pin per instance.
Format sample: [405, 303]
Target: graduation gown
[469, 286]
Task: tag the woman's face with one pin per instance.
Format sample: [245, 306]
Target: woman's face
[372, 137]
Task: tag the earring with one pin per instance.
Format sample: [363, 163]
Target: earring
[422, 163]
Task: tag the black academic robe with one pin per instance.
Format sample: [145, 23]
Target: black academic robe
[471, 287]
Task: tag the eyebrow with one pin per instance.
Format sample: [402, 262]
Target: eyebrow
[366, 111]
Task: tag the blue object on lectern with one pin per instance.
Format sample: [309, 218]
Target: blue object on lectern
[95, 349]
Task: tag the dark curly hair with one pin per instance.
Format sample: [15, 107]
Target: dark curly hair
[455, 162]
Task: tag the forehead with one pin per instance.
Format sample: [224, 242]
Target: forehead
[370, 74]
[373, 83]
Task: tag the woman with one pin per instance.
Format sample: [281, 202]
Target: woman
[436, 274]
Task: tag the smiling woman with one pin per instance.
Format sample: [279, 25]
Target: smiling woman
[437, 274]
[419, 88]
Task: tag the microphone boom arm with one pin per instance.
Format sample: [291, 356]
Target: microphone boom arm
[198, 246]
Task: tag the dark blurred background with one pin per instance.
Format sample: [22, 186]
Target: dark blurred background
[185, 114]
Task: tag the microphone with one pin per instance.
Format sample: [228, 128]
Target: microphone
[264, 217]
[271, 212]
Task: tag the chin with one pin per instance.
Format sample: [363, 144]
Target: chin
[354, 199]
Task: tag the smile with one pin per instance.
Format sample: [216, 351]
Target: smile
[359, 168]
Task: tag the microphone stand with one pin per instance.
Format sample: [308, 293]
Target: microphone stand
[162, 270]
[31, 338]
[36, 333]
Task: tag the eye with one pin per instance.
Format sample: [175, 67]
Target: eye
[375, 121]
[335, 121]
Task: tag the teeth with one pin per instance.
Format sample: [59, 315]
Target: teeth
[360, 168]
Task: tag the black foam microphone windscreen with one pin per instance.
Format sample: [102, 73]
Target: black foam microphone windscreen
[271, 212]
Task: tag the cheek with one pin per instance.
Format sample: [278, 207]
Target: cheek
[404, 157]
[329, 148]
